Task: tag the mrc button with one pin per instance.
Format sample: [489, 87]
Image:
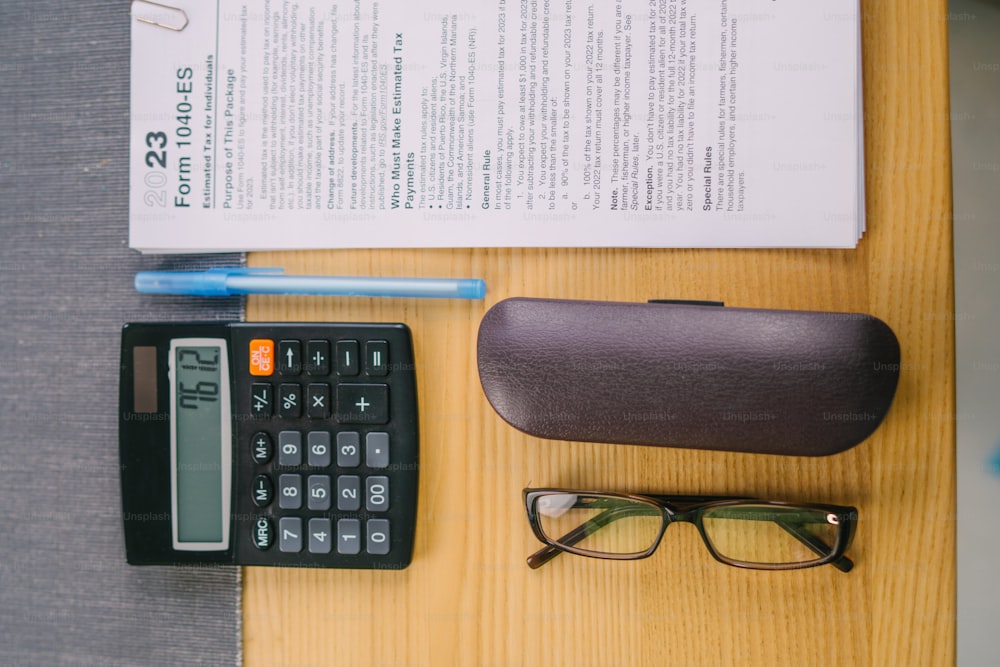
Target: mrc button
[263, 533]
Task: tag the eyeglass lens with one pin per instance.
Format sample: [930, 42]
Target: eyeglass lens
[770, 535]
[599, 524]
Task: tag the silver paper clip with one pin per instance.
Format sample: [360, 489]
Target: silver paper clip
[162, 15]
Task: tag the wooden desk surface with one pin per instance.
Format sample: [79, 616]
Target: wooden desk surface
[469, 599]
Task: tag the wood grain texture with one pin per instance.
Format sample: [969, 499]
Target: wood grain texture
[469, 599]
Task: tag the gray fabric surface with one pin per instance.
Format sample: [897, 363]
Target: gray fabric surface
[66, 595]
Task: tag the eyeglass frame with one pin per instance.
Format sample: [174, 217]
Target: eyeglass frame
[691, 509]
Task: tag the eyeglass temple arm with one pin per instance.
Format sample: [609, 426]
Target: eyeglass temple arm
[590, 526]
[548, 552]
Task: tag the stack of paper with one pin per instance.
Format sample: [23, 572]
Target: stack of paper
[651, 123]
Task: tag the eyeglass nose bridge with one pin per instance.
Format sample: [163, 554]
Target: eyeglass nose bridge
[680, 515]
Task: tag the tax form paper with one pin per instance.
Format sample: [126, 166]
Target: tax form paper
[650, 123]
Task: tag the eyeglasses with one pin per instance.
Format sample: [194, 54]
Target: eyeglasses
[743, 532]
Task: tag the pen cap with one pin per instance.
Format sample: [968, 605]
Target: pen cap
[194, 283]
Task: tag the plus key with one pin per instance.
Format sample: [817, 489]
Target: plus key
[362, 403]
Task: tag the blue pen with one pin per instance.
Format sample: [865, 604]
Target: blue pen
[230, 281]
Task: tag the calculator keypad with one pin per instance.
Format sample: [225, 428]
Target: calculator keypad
[289, 357]
[319, 492]
[362, 403]
[263, 491]
[318, 401]
[261, 399]
[318, 454]
[262, 449]
[348, 449]
[317, 361]
[320, 536]
[349, 493]
[290, 534]
[378, 536]
[263, 534]
[290, 448]
[377, 449]
[290, 492]
[330, 446]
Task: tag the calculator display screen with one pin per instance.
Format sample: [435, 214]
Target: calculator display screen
[200, 443]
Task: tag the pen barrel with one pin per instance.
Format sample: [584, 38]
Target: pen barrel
[442, 288]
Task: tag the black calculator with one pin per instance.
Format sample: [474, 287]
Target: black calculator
[268, 444]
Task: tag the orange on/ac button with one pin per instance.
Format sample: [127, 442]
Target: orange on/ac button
[261, 356]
